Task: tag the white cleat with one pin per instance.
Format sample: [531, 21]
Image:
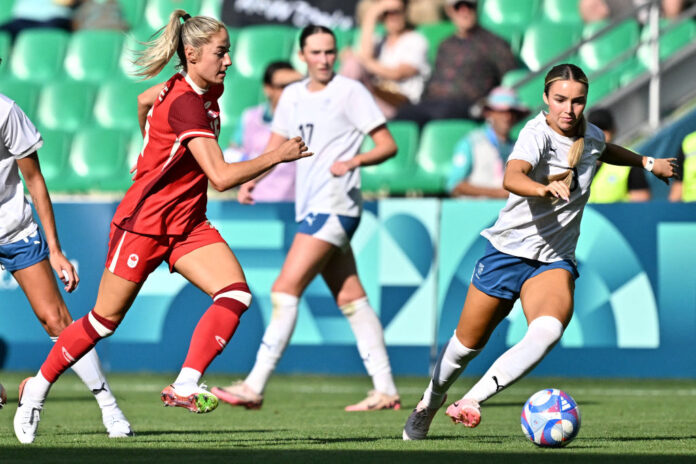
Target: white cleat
[418, 423]
[27, 417]
[117, 426]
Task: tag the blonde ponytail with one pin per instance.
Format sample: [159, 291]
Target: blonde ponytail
[574, 155]
[171, 39]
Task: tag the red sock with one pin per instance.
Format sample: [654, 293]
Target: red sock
[217, 325]
[76, 340]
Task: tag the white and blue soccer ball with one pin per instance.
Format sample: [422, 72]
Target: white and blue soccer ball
[551, 418]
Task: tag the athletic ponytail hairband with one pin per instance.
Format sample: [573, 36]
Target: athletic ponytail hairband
[186, 17]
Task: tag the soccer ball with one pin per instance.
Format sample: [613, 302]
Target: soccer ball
[3, 396]
[551, 418]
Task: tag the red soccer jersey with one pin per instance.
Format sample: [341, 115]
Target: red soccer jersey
[168, 196]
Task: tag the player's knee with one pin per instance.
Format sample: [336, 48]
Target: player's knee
[236, 297]
[546, 330]
[54, 321]
[350, 306]
[98, 326]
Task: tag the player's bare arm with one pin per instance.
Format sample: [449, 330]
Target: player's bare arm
[517, 181]
[385, 148]
[224, 176]
[34, 180]
[662, 168]
[245, 196]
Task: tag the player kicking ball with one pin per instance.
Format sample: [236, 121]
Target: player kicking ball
[162, 217]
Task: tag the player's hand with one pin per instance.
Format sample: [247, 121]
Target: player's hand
[293, 149]
[65, 270]
[665, 169]
[556, 189]
[339, 168]
[244, 195]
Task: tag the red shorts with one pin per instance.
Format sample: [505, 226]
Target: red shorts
[134, 256]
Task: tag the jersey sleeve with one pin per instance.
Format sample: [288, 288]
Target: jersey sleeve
[19, 134]
[527, 148]
[363, 111]
[281, 116]
[188, 119]
[462, 163]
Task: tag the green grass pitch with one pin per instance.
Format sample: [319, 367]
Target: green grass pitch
[623, 421]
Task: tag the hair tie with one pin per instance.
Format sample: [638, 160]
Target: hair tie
[186, 17]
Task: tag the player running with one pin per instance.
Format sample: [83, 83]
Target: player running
[30, 258]
[332, 114]
[162, 218]
[531, 249]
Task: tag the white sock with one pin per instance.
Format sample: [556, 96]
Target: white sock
[36, 389]
[275, 339]
[88, 369]
[542, 334]
[187, 381]
[370, 337]
[453, 358]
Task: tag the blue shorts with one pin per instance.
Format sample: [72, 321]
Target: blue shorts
[23, 253]
[502, 276]
[333, 228]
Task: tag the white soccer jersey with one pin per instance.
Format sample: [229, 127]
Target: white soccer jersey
[536, 228]
[19, 139]
[333, 122]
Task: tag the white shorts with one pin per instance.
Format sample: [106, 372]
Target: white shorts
[332, 228]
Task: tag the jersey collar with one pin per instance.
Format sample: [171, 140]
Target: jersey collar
[198, 90]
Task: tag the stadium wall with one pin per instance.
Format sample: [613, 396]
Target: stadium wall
[635, 311]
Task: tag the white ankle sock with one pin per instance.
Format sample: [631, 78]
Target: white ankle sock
[36, 389]
[542, 334]
[370, 337]
[450, 364]
[187, 380]
[275, 340]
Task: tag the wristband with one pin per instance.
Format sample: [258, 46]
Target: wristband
[649, 163]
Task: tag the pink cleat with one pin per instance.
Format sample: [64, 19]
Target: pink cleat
[375, 401]
[239, 394]
[465, 411]
[199, 400]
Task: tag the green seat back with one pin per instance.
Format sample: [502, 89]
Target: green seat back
[6, 11]
[212, 8]
[132, 11]
[602, 86]
[435, 33]
[259, 45]
[5, 50]
[98, 157]
[240, 93]
[38, 54]
[562, 11]
[379, 177]
[507, 18]
[157, 12]
[531, 92]
[116, 105]
[603, 50]
[53, 157]
[672, 38]
[437, 143]
[66, 105]
[537, 50]
[93, 55]
[25, 94]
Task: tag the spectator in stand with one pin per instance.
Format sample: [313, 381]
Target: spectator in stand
[254, 131]
[480, 157]
[468, 66]
[614, 183]
[596, 10]
[394, 68]
[28, 14]
[684, 186]
[99, 14]
[417, 11]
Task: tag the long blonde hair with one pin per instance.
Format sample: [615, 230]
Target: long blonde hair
[195, 31]
[569, 72]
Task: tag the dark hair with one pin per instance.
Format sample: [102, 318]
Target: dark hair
[272, 68]
[565, 72]
[602, 118]
[314, 29]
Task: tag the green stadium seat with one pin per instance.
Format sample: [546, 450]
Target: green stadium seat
[93, 55]
[5, 49]
[380, 178]
[65, 105]
[508, 18]
[672, 38]
[6, 11]
[116, 105]
[531, 92]
[157, 12]
[544, 41]
[435, 33]
[25, 94]
[53, 157]
[601, 86]
[240, 93]
[98, 160]
[259, 45]
[434, 157]
[606, 49]
[133, 11]
[38, 54]
[562, 11]
[212, 8]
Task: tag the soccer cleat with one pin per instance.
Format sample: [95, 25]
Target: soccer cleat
[465, 411]
[375, 401]
[117, 426]
[199, 401]
[418, 423]
[27, 417]
[239, 394]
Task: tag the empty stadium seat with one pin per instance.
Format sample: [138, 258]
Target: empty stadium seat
[673, 36]
[116, 105]
[132, 11]
[259, 45]
[6, 11]
[606, 49]
[529, 92]
[25, 94]
[212, 8]
[435, 33]
[240, 93]
[157, 12]
[93, 55]
[98, 160]
[601, 86]
[434, 157]
[38, 54]
[508, 18]
[562, 11]
[5, 49]
[380, 178]
[544, 41]
[65, 105]
[53, 158]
